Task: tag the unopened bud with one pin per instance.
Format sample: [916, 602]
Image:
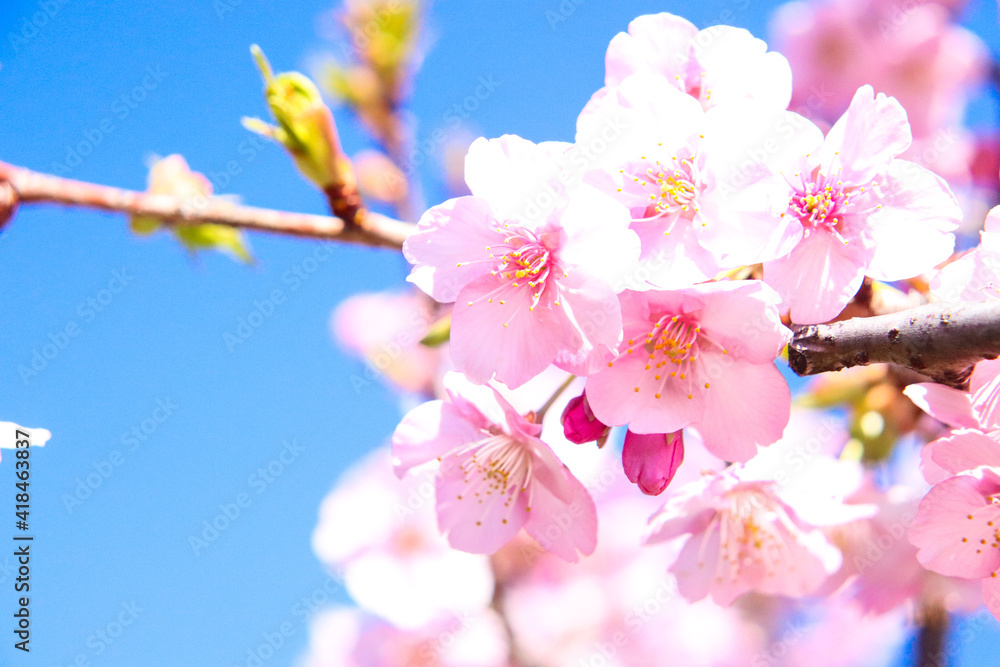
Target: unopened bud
[579, 423]
[305, 127]
[651, 459]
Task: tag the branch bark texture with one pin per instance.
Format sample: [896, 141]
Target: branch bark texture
[940, 341]
[24, 186]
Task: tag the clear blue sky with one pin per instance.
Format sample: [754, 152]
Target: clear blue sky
[158, 339]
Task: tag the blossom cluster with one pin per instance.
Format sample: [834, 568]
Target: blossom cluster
[636, 286]
[655, 257]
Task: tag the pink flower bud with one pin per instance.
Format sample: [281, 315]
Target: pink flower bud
[579, 423]
[652, 459]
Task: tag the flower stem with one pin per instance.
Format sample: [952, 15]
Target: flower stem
[540, 414]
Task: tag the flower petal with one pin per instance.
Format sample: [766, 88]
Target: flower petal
[510, 173]
[566, 527]
[473, 518]
[428, 432]
[953, 528]
[447, 242]
[870, 134]
[651, 460]
[746, 406]
[654, 43]
[494, 332]
[965, 450]
[819, 277]
[951, 406]
[984, 385]
[912, 229]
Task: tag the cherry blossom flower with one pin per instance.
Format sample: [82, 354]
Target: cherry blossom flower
[717, 65]
[744, 531]
[386, 329]
[695, 182]
[858, 210]
[957, 527]
[532, 283]
[382, 537]
[881, 571]
[976, 275]
[916, 54]
[618, 606]
[344, 637]
[975, 412]
[701, 357]
[743, 537]
[495, 475]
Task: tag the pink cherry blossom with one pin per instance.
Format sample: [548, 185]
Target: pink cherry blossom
[859, 210]
[344, 637]
[717, 65]
[978, 409]
[495, 475]
[976, 275]
[741, 536]
[651, 460]
[881, 571]
[701, 357]
[957, 527]
[532, 283]
[694, 181]
[761, 525]
[915, 53]
[386, 330]
[382, 537]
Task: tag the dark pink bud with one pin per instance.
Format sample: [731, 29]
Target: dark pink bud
[579, 423]
[652, 459]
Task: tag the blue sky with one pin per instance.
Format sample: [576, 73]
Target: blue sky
[158, 427]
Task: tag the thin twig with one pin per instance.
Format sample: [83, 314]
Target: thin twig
[33, 187]
[540, 414]
[940, 341]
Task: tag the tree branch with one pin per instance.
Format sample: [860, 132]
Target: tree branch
[941, 341]
[23, 186]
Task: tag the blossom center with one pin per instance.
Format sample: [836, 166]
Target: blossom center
[673, 188]
[499, 464]
[523, 260]
[820, 203]
[754, 530]
[674, 346]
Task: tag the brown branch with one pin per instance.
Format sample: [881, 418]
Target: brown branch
[932, 638]
[941, 341]
[33, 187]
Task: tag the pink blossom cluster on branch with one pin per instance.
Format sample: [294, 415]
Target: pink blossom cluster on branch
[637, 285]
[614, 259]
